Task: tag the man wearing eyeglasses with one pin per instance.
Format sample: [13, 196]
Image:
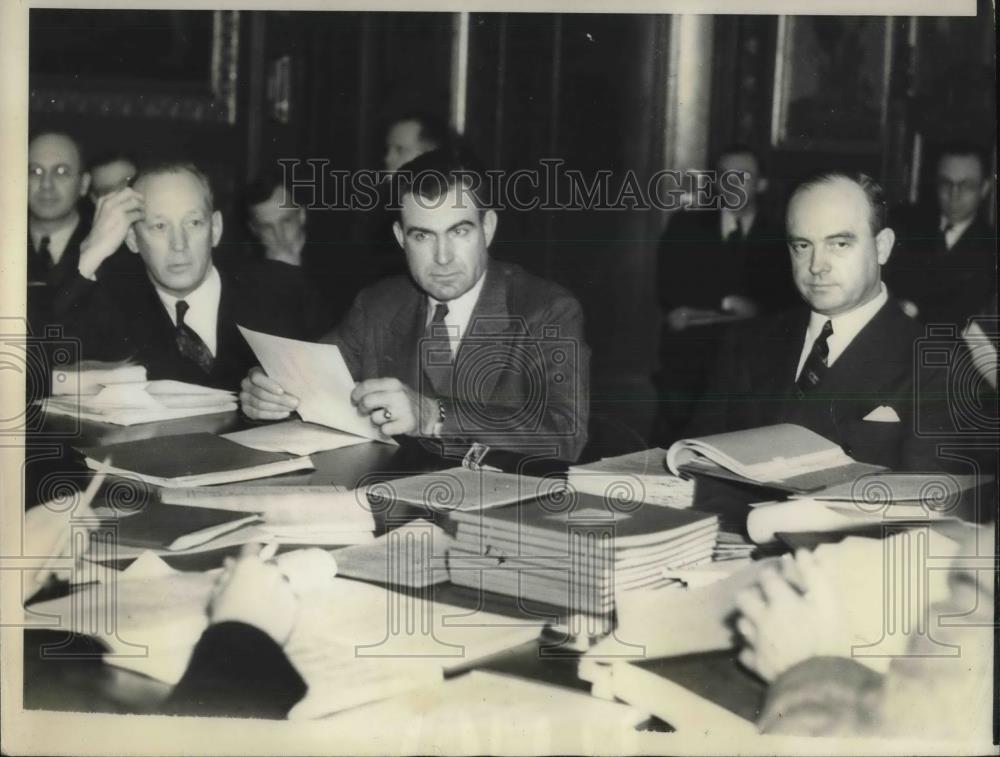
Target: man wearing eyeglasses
[56, 183]
[945, 268]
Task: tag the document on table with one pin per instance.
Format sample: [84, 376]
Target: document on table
[295, 436]
[318, 376]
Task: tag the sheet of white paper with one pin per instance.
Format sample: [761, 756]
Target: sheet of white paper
[295, 436]
[318, 376]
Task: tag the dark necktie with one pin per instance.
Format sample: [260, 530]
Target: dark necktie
[945, 230]
[815, 366]
[45, 252]
[40, 264]
[436, 356]
[189, 343]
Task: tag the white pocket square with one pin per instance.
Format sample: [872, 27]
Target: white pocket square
[882, 414]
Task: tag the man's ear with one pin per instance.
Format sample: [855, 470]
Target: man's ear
[216, 228]
[489, 226]
[397, 230]
[762, 185]
[130, 241]
[987, 182]
[884, 241]
[84, 183]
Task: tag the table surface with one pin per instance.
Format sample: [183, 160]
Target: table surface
[65, 673]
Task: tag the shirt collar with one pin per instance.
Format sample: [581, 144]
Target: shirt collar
[847, 325]
[957, 229]
[204, 307]
[459, 309]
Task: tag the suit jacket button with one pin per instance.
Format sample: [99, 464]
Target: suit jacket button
[848, 450]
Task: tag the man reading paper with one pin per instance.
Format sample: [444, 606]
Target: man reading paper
[465, 348]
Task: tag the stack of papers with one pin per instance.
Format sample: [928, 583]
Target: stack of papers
[637, 477]
[175, 527]
[190, 460]
[414, 555]
[90, 376]
[577, 553]
[295, 436]
[463, 489]
[132, 402]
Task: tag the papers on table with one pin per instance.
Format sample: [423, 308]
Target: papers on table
[412, 555]
[318, 376]
[491, 703]
[464, 489]
[636, 477]
[292, 514]
[295, 436]
[131, 402]
[90, 376]
[783, 456]
[175, 527]
[355, 643]
[150, 623]
[191, 460]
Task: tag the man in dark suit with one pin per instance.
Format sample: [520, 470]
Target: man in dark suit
[845, 366]
[57, 181]
[715, 265]
[165, 306]
[464, 348]
[945, 268]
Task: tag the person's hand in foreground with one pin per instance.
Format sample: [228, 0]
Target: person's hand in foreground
[790, 616]
[254, 592]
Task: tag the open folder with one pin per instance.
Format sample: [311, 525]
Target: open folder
[783, 456]
[318, 376]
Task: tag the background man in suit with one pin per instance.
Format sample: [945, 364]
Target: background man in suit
[715, 265]
[410, 136]
[945, 268]
[56, 183]
[845, 366]
[172, 312]
[465, 348]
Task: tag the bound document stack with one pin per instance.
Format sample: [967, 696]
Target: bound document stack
[638, 476]
[578, 552]
[784, 456]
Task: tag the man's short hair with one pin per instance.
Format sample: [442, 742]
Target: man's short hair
[112, 156]
[433, 130]
[262, 186]
[963, 149]
[433, 174]
[65, 135]
[741, 148]
[177, 166]
[878, 207]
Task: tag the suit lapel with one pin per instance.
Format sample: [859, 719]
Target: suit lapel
[490, 333]
[401, 351]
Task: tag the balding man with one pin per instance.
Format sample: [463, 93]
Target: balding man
[844, 366]
[164, 305]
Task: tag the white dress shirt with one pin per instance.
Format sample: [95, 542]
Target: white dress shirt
[459, 313]
[846, 326]
[57, 240]
[203, 308]
[955, 232]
